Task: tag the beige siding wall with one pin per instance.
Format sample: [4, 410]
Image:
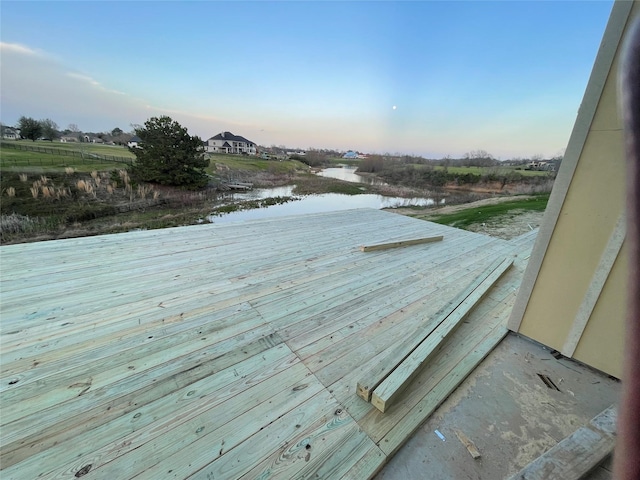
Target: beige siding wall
[601, 343]
[581, 224]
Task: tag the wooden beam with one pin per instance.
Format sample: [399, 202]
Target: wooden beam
[374, 376]
[577, 454]
[393, 385]
[402, 243]
[592, 294]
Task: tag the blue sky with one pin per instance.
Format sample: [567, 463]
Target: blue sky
[506, 77]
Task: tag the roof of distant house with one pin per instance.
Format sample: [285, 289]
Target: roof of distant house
[230, 137]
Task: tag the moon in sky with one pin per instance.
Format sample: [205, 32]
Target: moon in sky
[394, 107]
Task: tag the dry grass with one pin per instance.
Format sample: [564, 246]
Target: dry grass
[11, 192]
[15, 223]
[69, 170]
[144, 190]
[23, 177]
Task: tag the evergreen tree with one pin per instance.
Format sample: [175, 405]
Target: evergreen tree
[168, 155]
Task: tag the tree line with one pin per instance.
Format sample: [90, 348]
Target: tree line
[166, 154]
[47, 129]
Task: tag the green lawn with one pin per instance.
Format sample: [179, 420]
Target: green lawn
[483, 214]
[114, 150]
[57, 157]
[254, 164]
[36, 162]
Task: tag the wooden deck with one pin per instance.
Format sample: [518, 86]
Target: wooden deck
[228, 351]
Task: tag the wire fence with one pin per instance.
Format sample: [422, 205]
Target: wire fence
[85, 156]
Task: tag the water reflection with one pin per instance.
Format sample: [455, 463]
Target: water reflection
[348, 174]
[326, 202]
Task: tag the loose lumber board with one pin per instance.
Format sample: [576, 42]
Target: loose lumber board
[578, 453]
[393, 385]
[400, 243]
[379, 373]
[469, 445]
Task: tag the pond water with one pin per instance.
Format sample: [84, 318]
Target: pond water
[326, 202]
[348, 174]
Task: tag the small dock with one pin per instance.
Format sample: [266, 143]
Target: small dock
[237, 186]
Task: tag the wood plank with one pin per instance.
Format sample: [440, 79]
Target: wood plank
[408, 310]
[234, 449]
[359, 349]
[50, 387]
[328, 450]
[402, 429]
[186, 447]
[469, 445]
[400, 243]
[609, 255]
[395, 425]
[393, 385]
[577, 454]
[25, 437]
[374, 377]
[234, 390]
[237, 284]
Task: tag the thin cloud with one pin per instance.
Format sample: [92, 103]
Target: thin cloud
[91, 81]
[18, 48]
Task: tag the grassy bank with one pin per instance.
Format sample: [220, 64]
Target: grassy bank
[486, 213]
[222, 164]
[499, 171]
[48, 195]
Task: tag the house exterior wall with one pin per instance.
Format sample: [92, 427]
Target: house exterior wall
[216, 146]
[573, 296]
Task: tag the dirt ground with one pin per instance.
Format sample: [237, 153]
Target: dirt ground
[511, 225]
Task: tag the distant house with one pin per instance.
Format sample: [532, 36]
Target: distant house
[69, 138]
[227, 142]
[539, 165]
[300, 153]
[350, 154]
[9, 133]
[134, 142]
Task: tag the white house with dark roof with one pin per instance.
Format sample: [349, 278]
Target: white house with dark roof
[134, 142]
[227, 142]
[9, 133]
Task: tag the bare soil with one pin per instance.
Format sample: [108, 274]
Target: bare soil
[508, 226]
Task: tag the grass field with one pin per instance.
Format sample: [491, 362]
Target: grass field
[56, 156]
[56, 159]
[115, 150]
[35, 162]
[464, 218]
[253, 164]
